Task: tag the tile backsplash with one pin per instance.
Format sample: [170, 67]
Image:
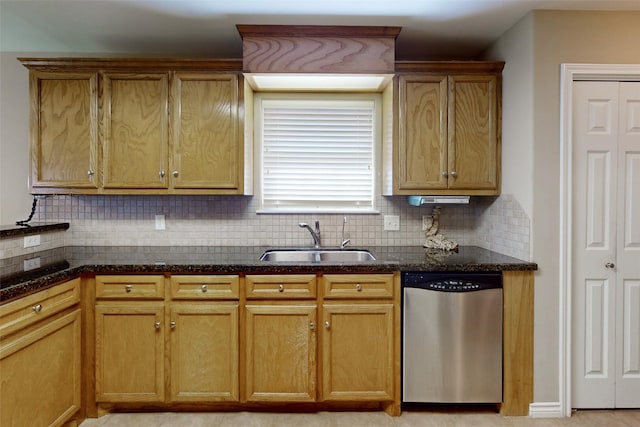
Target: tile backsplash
[495, 223]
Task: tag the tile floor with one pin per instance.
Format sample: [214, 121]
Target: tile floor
[619, 418]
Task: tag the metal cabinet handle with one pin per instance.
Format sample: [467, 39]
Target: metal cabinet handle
[445, 174]
[327, 325]
[203, 288]
[358, 287]
[90, 173]
[610, 265]
[312, 326]
[156, 325]
[127, 288]
[37, 308]
[454, 174]
[280, 287]
[172, 324]
[161, 174]
[175, 174]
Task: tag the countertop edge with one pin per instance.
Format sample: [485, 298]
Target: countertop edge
[27, 229]
[48, 280]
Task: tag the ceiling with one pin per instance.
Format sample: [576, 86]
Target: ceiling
[431, 29]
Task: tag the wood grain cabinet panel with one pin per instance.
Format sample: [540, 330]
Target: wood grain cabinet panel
[63, 131]
[135, 130]
[204, 352]
[40, 373]
[421, 155]
[207, 150]
[280, 360]
[130, 351]
[358, 352]
[473, 133]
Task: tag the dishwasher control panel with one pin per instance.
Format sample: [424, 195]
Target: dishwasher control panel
[453, 285]
[452, 282]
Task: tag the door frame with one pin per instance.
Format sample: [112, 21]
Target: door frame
[568, 74]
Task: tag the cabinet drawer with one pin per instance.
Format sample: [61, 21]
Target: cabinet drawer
[358, 285]
[205, 287]
[281, 286]
[130, 287]
[32, 308]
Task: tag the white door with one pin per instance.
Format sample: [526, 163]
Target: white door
[606, 245]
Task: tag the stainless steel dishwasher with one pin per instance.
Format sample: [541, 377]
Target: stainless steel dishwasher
[452, 337]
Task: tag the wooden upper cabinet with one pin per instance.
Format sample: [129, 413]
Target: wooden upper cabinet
[64, 131]
[135, 130]
[206, 147]
[449, 129]
[473, 133]
[136, 126]
[422, 143]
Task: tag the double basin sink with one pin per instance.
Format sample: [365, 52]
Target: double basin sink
[317, 255]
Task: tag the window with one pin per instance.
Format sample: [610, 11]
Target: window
[317, 152]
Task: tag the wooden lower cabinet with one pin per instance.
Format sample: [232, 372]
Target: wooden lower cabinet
[204, 352]
[129, 351]
[357, 352]
[40, 373]
[280, 353]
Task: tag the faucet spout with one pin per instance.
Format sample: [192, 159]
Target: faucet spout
[315, 234]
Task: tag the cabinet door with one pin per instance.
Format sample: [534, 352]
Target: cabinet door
[474, 126]
[421, 152]
[135, 130]
[206, 133]
[204, 352]
[64, 130]
[40, 373]
[281, 353]
[357, 352]
[129, 352]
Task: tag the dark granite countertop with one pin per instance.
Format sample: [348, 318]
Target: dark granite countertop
[61, 264]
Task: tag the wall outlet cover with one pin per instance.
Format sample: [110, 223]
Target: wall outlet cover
[160, 224]
[31, 241]
[392, 222]
[31, 264]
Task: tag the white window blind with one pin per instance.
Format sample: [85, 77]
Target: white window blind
[318, 155]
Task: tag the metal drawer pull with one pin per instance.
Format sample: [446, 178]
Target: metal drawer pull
[327, 325]
[127, 288]
[610, 265]
[203, 288]
[312, 325]
[157, 325]
[280, 287]
[172, 325]
[445, 174]
[358, 287]
[454, 174]
[37, 308]
[175, 174]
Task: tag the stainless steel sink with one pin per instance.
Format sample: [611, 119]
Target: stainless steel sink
[317, 255]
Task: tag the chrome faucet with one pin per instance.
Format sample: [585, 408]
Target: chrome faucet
[345, 242]
[315, 234]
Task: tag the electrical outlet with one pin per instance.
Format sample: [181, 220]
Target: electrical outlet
[30, 264]
[392, 222]
[31, 241]
[160, 225]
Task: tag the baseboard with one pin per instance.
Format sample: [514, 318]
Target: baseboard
[546, 410]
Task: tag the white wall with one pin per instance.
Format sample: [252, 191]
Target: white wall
[543, 40]
[15, 200]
